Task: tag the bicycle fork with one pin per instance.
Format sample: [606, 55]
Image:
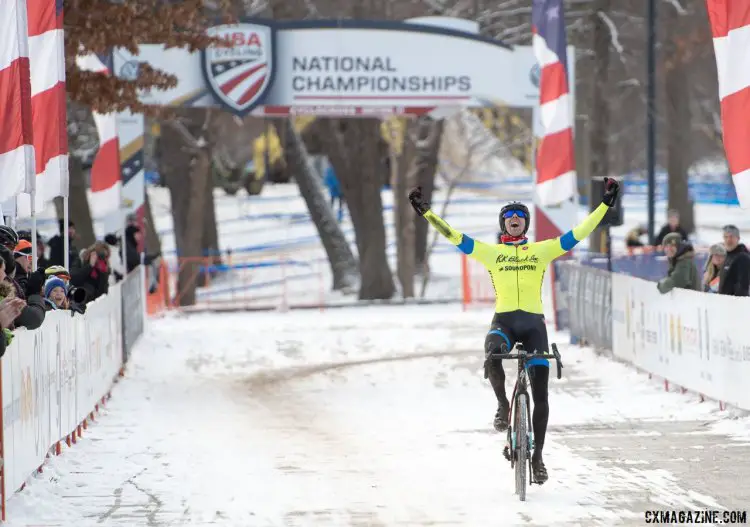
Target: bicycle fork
[511, 446]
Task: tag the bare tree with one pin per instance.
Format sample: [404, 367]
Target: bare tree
[478, 147]
[340, 257]
[185, 166]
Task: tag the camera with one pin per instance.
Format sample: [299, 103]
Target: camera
[77, 294]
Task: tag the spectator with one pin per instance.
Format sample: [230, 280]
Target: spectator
[57, 247]
[682, 273]
[334, 189]
[714, 264]
[10, 309]
[76, 295]
[672, 226]
[633, 237]
[32, 312]
[22, 255]
[58, 296]
[93, 277]
[735, 275]
[115, 261]
[133, 237]
[41, 261]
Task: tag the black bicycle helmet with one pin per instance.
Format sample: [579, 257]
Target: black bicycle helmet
[515, 206]
[8, 237]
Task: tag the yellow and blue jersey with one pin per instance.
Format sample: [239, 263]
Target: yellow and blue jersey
[517, 271]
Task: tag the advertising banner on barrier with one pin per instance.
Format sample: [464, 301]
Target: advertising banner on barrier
[133, 314]
[687, 337]
[52, 379]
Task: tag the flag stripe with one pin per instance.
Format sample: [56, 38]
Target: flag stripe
[730, 26]
[105, 170]
[556, 115]
[12, 28]
[735, 114]
[16, 130]
[16, 124]
[727, 15]
[50, 139]
[733, 61]
[555, 155]
[46, 66]
[553, 83]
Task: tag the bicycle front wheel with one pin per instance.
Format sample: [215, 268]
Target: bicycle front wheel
[522, 446]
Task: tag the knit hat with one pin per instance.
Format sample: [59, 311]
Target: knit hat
[717, 249]
[52, 283]
[673, 238]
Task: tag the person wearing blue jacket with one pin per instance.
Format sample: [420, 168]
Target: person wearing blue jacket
[334, 189]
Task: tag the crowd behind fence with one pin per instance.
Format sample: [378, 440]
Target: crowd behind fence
[690, 339]
[55, 377]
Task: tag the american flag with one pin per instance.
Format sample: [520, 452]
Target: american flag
[48, 108]
[105, 172]
[555, 161]
[16, 133]
[730, 25]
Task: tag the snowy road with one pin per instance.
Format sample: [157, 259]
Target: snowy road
[371, 417]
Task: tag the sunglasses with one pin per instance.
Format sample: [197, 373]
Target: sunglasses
[510, 213]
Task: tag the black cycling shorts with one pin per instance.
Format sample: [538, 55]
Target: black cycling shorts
[514, 326]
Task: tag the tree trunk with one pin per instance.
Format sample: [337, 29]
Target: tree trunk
[678, 142]
[340, 257]
[210, 237]
[426, 162]
[353, 149]
[403, 172]
[153, 243]
[599, 127]
[78, 204]
[182, 155]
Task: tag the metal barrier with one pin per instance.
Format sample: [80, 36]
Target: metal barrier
[251, 282]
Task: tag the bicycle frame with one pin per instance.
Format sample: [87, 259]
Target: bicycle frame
[521, 390]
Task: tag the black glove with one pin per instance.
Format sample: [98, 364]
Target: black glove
[35, 282]
[418, 202]
[611, 190]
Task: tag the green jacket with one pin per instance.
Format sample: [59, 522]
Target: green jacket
[682, 273]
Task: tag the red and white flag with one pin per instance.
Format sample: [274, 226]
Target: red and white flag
[16, 136]
[555, 161]
[106, 183]
[730, 25]
[48, 108]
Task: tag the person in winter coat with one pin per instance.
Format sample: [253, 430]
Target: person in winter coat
[93, 277]
[31, 315]
[10, 309]
[57, 247]
[682, 273]
[132, 239]
[22, 255]
[735, 275]
[334, 190]
[117, 269]
[672, 226]
[714, 265]
[633, 237]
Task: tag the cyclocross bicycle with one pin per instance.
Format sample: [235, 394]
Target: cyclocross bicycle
[520, 442]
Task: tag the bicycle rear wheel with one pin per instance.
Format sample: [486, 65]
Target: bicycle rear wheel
[522, 447]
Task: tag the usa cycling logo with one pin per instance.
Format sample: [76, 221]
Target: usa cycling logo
[240, 73]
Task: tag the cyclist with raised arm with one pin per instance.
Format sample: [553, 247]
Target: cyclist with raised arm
[517, 270]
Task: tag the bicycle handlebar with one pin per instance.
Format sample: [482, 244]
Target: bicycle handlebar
[528, 356]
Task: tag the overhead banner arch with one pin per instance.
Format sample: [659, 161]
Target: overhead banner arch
[345, 68]
[353, 68]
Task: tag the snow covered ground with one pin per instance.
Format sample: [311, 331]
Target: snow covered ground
[372, 416]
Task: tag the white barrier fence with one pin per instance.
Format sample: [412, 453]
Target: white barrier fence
[53, 378]
[696, 340]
